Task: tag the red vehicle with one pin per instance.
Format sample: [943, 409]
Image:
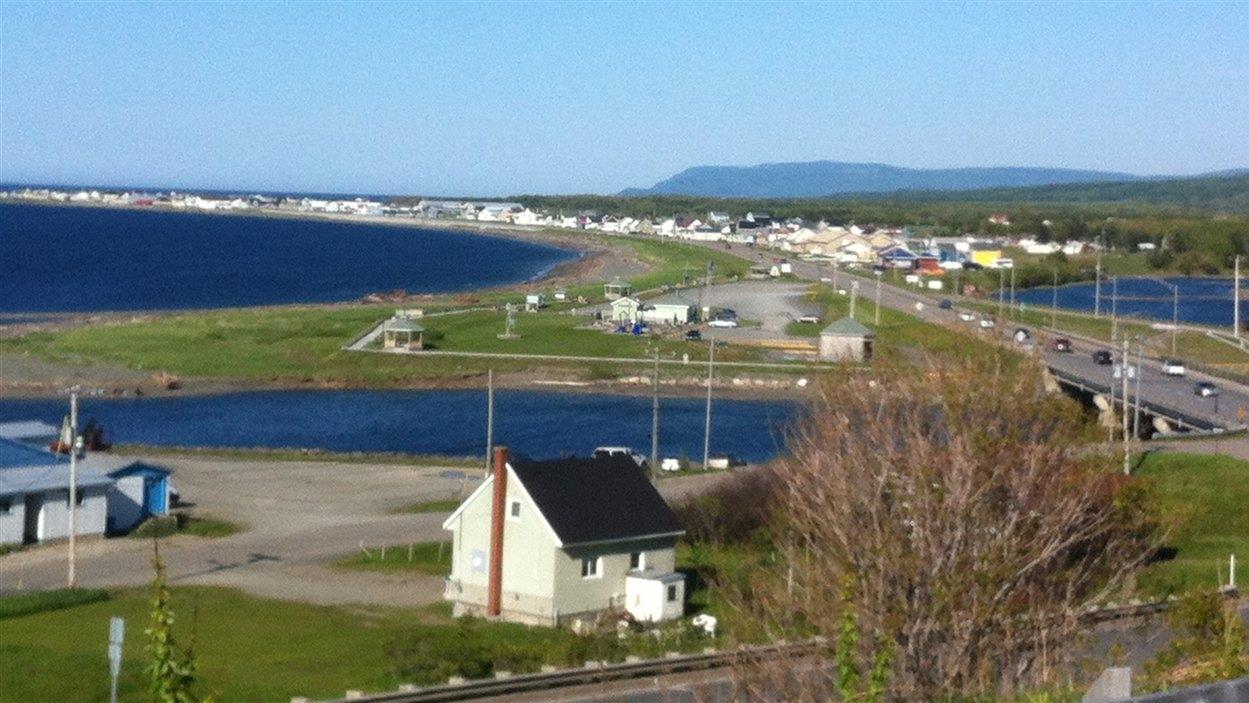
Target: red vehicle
[1061, 344]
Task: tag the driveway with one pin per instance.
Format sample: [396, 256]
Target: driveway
[774, 304]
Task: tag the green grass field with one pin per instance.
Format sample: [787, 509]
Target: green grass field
[254, 649]
[433, 558]
[899, 335]
[1208, 494]
[303, 344]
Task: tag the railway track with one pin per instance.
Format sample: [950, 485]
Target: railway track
[591, 673]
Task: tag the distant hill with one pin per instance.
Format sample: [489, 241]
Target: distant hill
[815, 179]
[1227, 191]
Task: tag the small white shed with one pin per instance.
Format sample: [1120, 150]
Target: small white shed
[655, 597]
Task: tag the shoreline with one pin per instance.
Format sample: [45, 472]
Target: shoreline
[586, 253]
[671, 387]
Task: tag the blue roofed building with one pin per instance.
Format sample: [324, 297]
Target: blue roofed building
[139, 491]
[34, 495]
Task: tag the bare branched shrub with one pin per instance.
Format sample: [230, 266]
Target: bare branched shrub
[959, 516]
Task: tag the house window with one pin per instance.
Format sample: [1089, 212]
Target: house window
[672, 593]
[5, 506]
[513, 510]
[589, 568]
[637, 561]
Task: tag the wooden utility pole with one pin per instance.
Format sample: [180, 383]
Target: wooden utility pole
[1097, 286]
[1054, 301]
[1236, 298]
[878, 298]
[711, 366]
[1127, 438]
[73, 482]
[655, 418]
[489, 421]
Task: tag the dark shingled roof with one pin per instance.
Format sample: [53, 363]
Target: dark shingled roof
[596, 500]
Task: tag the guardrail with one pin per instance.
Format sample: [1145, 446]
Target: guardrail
[591, 673]
[1192, 422]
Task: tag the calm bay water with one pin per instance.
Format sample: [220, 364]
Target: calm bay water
[450, 422]
[1206, 301]
[78, 259]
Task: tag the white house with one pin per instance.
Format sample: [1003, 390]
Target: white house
[565, 542]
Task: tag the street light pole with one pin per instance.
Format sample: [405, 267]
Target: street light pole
[1012, 290]
[72, 578]
[854, 294]
[1127, 439]
[1175, 315]
[1001, 290]
[655, 419]
[878, 297]
[711, 365]
[1054, 301]
[1097, 286]
[1114, 308]
[1236, 299]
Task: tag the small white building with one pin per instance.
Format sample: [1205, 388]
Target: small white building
[668, 314]
[34, 495]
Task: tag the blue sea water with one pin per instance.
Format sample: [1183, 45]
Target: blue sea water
[80, 259]
[451, 422]
[1206, 301]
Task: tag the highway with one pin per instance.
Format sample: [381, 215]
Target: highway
[1167, 395]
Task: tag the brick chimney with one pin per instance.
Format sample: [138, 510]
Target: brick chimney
[494, 587]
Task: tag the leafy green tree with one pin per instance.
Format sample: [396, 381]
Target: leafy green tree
[170, 668]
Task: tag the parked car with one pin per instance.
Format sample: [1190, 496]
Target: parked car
[1061, 344]
[1173, 367]
[1101, 357]
[1022, 335]
[1004, 264]
[945, 304]
[725, 322]
[1206, 389]
[986, 324]
[966, 316]
[670, 464]
[602, 452]
[693, 335]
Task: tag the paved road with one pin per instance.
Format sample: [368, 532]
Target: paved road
[1156, 388]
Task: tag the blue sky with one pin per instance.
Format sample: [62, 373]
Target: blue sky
[577, 97]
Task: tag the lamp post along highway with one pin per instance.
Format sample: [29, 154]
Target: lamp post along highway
[854, 294]
[711, 365]
[1127, 438]
[1001, 290]
[71, 576]
[1097, 285]
[1054, 301]
[1012, 290]
[878, 274]
[1236, 298]
[1114, 309]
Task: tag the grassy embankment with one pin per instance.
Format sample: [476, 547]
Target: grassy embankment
[303, 344]
[1208, 495]
[898, 335]
[322, 455]
[255, 649]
